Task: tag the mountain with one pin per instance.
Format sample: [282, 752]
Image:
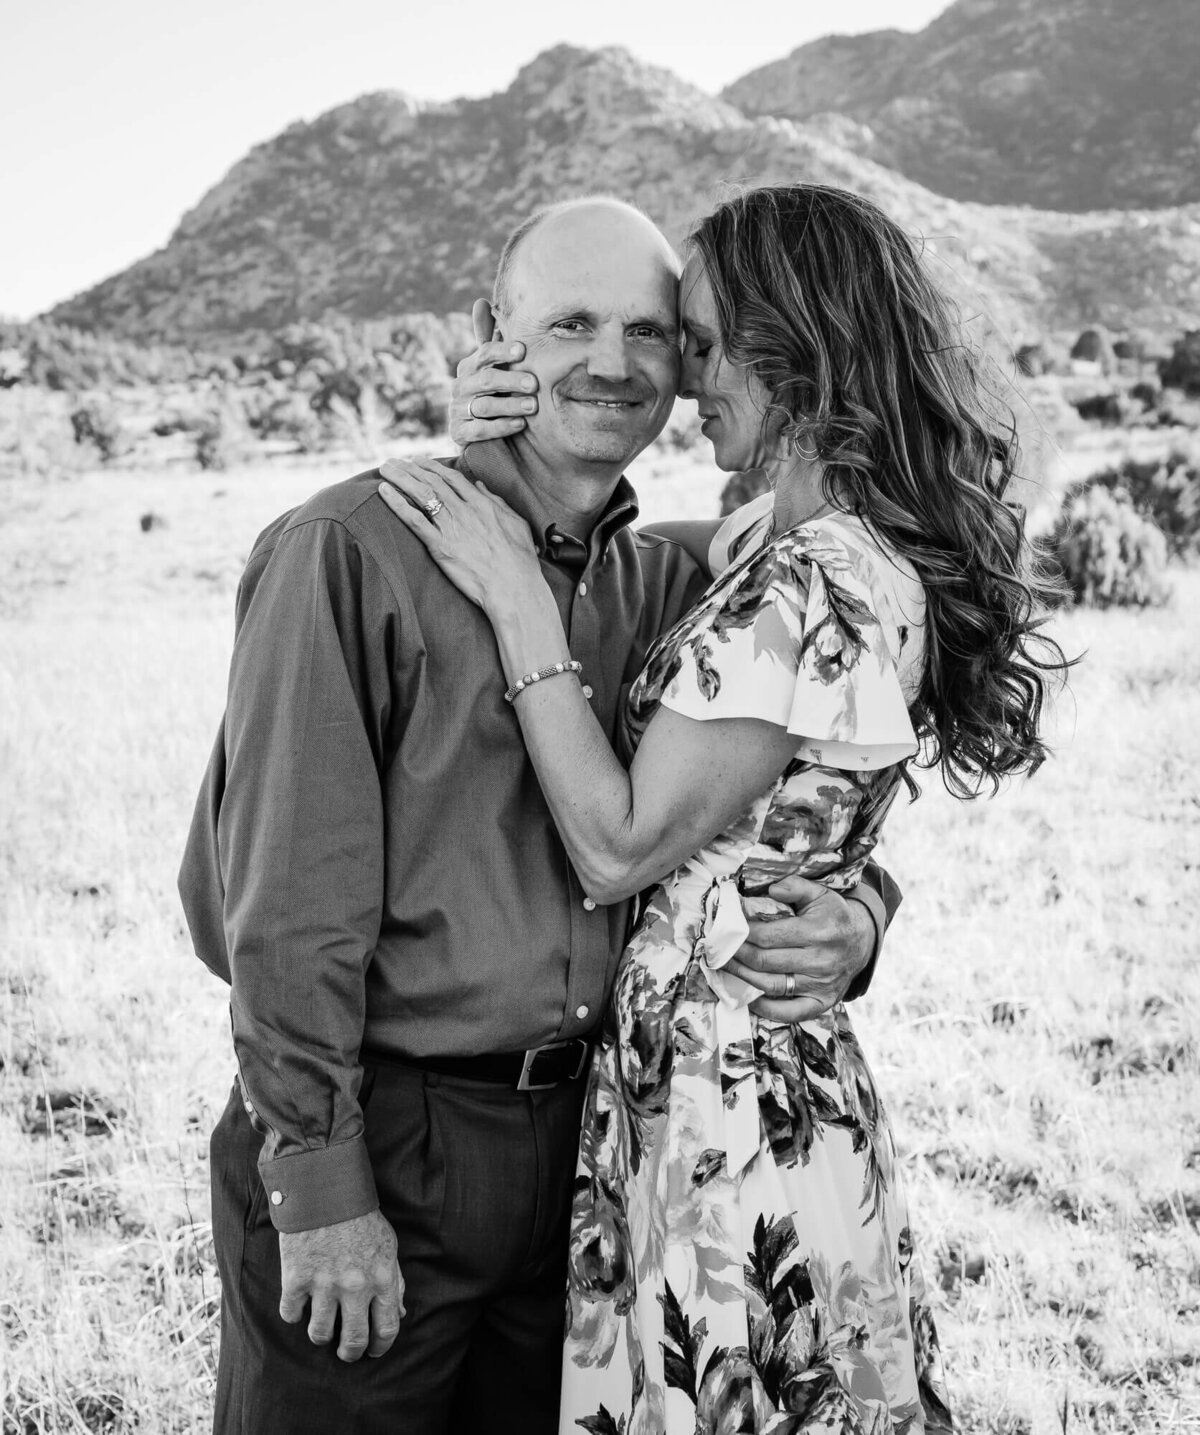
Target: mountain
[385, 206]
[1061, 104]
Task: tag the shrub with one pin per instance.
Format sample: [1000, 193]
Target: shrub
[97, 424]
[1166, 492]
[223, 436]
[1100, 408]
[1106, 554]
[1182, 369]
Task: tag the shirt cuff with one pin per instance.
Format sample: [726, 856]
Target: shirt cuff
[865, 894]
[309, 1189]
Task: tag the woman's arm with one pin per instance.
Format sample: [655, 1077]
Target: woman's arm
[689, 780]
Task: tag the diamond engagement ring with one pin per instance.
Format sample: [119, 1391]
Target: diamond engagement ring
[433, 507]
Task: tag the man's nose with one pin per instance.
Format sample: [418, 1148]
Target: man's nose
[609, 355]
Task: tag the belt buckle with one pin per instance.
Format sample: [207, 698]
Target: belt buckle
[523, 1081]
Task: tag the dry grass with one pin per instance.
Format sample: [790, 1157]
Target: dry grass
[1035, 1021]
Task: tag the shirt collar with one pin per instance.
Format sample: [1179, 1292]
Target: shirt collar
[495, 464]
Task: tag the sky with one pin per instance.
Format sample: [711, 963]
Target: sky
[116, 117]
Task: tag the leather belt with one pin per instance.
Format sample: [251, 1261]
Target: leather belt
[537, 1069]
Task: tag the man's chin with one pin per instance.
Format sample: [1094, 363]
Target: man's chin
[615, 444]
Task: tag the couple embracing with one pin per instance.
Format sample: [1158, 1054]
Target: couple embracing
[536, 851]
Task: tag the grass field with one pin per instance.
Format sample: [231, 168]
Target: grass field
[1035, 1024]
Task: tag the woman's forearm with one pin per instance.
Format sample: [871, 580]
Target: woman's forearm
[588, 790]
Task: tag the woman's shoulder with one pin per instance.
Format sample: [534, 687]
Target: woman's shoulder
[862, 578]
[890, 586]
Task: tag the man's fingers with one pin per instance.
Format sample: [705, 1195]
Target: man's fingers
[482, 323]
[775, 984]
[387, 1311]
[355, 1328]
[801, 1009]
[292, 1303]
[796, 891]
[814, 963]
[324, 1313]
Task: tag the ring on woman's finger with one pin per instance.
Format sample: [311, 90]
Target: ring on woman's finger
[433, 507]
[789, 986]
[471, 407]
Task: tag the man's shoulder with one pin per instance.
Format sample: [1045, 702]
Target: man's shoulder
[340, 504]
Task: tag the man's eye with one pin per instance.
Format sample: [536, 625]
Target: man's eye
[572, 326]
[647, 331]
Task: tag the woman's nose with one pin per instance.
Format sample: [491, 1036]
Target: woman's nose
[689, 378]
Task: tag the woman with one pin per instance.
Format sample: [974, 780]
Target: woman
[741, 1257]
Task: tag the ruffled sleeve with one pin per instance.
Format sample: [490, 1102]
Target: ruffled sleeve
[795, 638]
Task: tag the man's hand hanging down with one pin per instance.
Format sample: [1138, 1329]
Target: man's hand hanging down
[824, 947]
[487, 400]
[348, 1269]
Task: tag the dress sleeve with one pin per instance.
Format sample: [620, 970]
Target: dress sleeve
[795, 640]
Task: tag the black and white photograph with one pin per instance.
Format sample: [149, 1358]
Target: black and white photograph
[600, 718]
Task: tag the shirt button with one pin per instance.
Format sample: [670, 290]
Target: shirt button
[587, 690]
[583, 590]
[276, 1198]
[581, 1012]
[588, 905]
[250, 1108]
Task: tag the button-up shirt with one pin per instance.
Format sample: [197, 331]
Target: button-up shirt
[372, 864]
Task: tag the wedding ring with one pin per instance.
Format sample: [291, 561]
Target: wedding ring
[433, 507]
[789, 986]
[471, 408]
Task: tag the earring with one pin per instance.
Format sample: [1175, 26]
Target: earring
[800, 453]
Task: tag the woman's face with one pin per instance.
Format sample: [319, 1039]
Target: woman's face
[731, 399]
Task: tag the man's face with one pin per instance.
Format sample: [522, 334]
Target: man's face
[594, 297]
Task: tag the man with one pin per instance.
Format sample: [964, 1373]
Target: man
[415, 970]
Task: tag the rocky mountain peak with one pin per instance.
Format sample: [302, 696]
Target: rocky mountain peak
[1061, 104]
[386, 205]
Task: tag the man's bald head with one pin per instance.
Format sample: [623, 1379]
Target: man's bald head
[603, 215]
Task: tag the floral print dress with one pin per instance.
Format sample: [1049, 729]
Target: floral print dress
[741, 1257]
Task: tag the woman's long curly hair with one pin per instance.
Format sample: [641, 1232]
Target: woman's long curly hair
[826, 300]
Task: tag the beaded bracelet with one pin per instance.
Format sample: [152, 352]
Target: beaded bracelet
[570, 666]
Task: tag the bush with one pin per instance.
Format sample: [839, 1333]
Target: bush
[1166, 492]
[223, 436]
[97, 424]
[1106, 554]
[1182, 369]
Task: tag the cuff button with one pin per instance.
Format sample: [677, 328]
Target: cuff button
[276, 1198]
